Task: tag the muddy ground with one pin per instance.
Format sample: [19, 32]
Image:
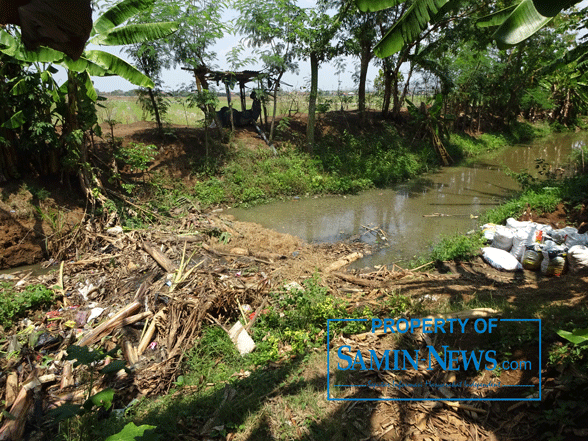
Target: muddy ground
[115, 269]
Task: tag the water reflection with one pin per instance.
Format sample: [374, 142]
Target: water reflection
[416, 213]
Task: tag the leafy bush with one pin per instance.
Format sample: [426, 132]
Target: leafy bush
[210, 191]
[136, 155]
[15, 304]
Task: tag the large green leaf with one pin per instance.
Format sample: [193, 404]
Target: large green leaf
[118, 14]
[408, 28]
[136, 33]
[577, 336]
[15, 121]
[130, 433]
[120, 67]
[101, 399]
[496, 18]
[19, 88]
[6, 39]
[528, 17]
[90, 91]
[15, 49]
[85, 65]
[376, 5]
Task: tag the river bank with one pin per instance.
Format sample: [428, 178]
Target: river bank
[183, 280]
[36, 214]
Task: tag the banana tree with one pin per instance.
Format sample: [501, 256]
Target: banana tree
[515, 23]
[108, 30]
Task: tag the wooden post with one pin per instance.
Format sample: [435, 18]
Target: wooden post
[242, 93]
[230, 106]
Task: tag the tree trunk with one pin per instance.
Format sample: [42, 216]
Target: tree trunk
[387, 73]
[276, 87]
[312, 101]
[397, 102]
[406, 86]
[366, 56]
[156, 111]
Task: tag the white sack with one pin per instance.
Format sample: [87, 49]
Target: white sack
[503, 238]
[501, 259]
[578, 258]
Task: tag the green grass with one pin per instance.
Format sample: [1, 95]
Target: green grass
[457, 247]
[541, 196]
[462, 145]
[381, 158]
[15, 303]
[339, 166]
[250, 177]
[126, 110]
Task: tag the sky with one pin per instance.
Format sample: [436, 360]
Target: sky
[328, 78]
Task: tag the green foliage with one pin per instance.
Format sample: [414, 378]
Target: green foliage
[131, 432]
[214, 358]
[578, 337]
[463, 145]
[15, 303]
[378, 159]
[340, 165]
[210, 191]
[457, 247]
[543, 201]
[136, 155]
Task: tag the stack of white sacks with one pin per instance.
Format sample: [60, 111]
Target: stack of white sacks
[535, 247]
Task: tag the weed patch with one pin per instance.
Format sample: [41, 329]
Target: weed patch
[457, 247]
[14, 304]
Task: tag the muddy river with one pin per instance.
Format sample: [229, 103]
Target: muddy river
[408, 218]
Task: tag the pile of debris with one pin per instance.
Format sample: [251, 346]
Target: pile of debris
[149, 293]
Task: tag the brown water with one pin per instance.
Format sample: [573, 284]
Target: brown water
[413, 215]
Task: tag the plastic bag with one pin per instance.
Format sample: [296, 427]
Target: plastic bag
[578, 258]
[521, 238]
[515, 224]
[554, 261]
[501, 259]
[489, 230]
[503, 238]
[559, 236]
[532, 258]
[576, 239]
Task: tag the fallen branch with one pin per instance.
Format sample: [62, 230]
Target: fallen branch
[242, 252]
[108, 326]
[357, 281]
[136, 318]
[159, 257]
[13, 429]
[458, 405]
[342, 262]
[95, 259]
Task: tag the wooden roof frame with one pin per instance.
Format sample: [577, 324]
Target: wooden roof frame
[203, 76]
